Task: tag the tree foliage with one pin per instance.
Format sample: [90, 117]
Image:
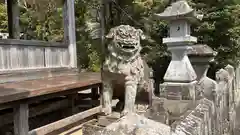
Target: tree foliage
[220, 29]
[3, 18]
[43, 20]
[87, 22]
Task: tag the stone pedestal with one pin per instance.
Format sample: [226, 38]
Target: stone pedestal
[180, 77]
[179, 91]
[200, 57]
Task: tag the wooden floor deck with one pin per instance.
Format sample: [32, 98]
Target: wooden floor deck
[32, 88]
[19, 95]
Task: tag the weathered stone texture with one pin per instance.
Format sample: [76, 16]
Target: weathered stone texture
[222, 77]
[133, 124]
[199, 121]
[124, 71]
[200, 57]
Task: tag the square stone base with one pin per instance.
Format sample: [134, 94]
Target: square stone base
[178, 91]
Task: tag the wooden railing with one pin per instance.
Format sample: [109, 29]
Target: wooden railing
[32, 54]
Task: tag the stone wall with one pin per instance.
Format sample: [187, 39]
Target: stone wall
[237, 84]
[213, 117]
[199, 121]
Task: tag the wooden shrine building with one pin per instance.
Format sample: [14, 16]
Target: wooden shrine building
[35, 71]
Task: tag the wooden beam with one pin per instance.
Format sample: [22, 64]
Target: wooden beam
[70, 31]
[21, 119]
[36, 111]
[65, 122]
[94, 95]
[10, 76]
[36, 43]
[72, 103]
[103, 47]
[13, 19]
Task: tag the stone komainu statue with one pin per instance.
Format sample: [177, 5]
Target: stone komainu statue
[124, 72]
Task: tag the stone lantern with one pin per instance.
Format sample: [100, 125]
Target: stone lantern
[180, 77]
[201, 56]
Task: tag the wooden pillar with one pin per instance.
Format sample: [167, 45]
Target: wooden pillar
[102, 35]
[72, 103]
[70, 31]
[13, 19]
[21, 119]
[94, 96]
[94, 93]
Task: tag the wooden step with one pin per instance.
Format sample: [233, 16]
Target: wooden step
[93, 126]
[78, 130]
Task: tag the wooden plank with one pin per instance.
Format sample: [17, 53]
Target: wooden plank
[17, 57]
[73, 131]
[38, 70]
[32, 74]
[47, 86]
[70, 30]
[13, 19]
[21, 120]
[65, 122]
[31, 100]
[39, 43]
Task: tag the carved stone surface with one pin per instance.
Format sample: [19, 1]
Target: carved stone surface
[198, 121]
[231, 99]
[133, 124]
[222, 77]
[123, 69]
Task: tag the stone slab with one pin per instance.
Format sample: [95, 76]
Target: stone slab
[178, 91]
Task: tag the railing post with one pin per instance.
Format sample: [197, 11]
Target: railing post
[13, 19]
[21, 126]
[69, 31]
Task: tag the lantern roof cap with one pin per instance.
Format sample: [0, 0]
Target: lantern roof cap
[178, 10]
[201, 50]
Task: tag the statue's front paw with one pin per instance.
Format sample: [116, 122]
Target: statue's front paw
[107, 110]
[125, 112]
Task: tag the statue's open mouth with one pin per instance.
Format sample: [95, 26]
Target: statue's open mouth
[128, 47]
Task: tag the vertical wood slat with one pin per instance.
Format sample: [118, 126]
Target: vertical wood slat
[7, 60]
[65, 57]
[56, 57]
[40, 57]
[17, 57]
[1, 58]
